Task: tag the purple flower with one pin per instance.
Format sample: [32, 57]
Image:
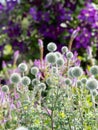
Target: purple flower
[72, 4]
[87, 15]
[19, 45]
[33, 13]
[16, 55]
[83, 37]
[10, 4]
[75, 32]
[1, 8]
[13, 29]
[40, 42]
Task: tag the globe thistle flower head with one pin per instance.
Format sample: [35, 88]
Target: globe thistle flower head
[15, 78]
[35, 82]
[70, 72]
[22, 67]
[5, 88]
[94, 70]
[58, 54]
[51, 58]
[42, 86]
[64, 49]
[69, 55]
[54, 70]
[77, 72]
[79, 83]
[48, 81]
[94, 92]
[34, 70]
[25, 81]
[22, 128]
[84, 80]
[60, 62]
[92, 84]
[67, 81]
[51, 47]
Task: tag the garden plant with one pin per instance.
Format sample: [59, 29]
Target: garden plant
[55, 93]
[48, 64]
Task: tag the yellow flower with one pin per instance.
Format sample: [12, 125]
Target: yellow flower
[62, 115]
[37, 122]
[25, 108]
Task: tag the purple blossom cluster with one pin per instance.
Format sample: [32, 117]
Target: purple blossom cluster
[88, 18]
[26, 22]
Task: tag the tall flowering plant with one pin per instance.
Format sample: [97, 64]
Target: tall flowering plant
[57, 94]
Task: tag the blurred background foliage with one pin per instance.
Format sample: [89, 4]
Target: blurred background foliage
[23, 22]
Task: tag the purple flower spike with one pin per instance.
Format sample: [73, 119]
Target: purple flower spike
[75, 32]
[33, 13]
[40, 42]
[4, 64]
[16, 55]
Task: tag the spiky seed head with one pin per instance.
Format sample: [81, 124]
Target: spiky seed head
[70, 72]
[49, 81]
[15, 78]
[79, 83]
[94, 70]
[54, 69]
[42, 86]
[60, 62]
[51, 58]
[25, 81]
[67, 81]
[5, 88]
[77, 71]
[51, 47]
[22, 67]
[94, 92]
[69, 55]
[35, 82]
[64, 49]
[84, 80]
[58, 54]
[92, 84]
[34, 70]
